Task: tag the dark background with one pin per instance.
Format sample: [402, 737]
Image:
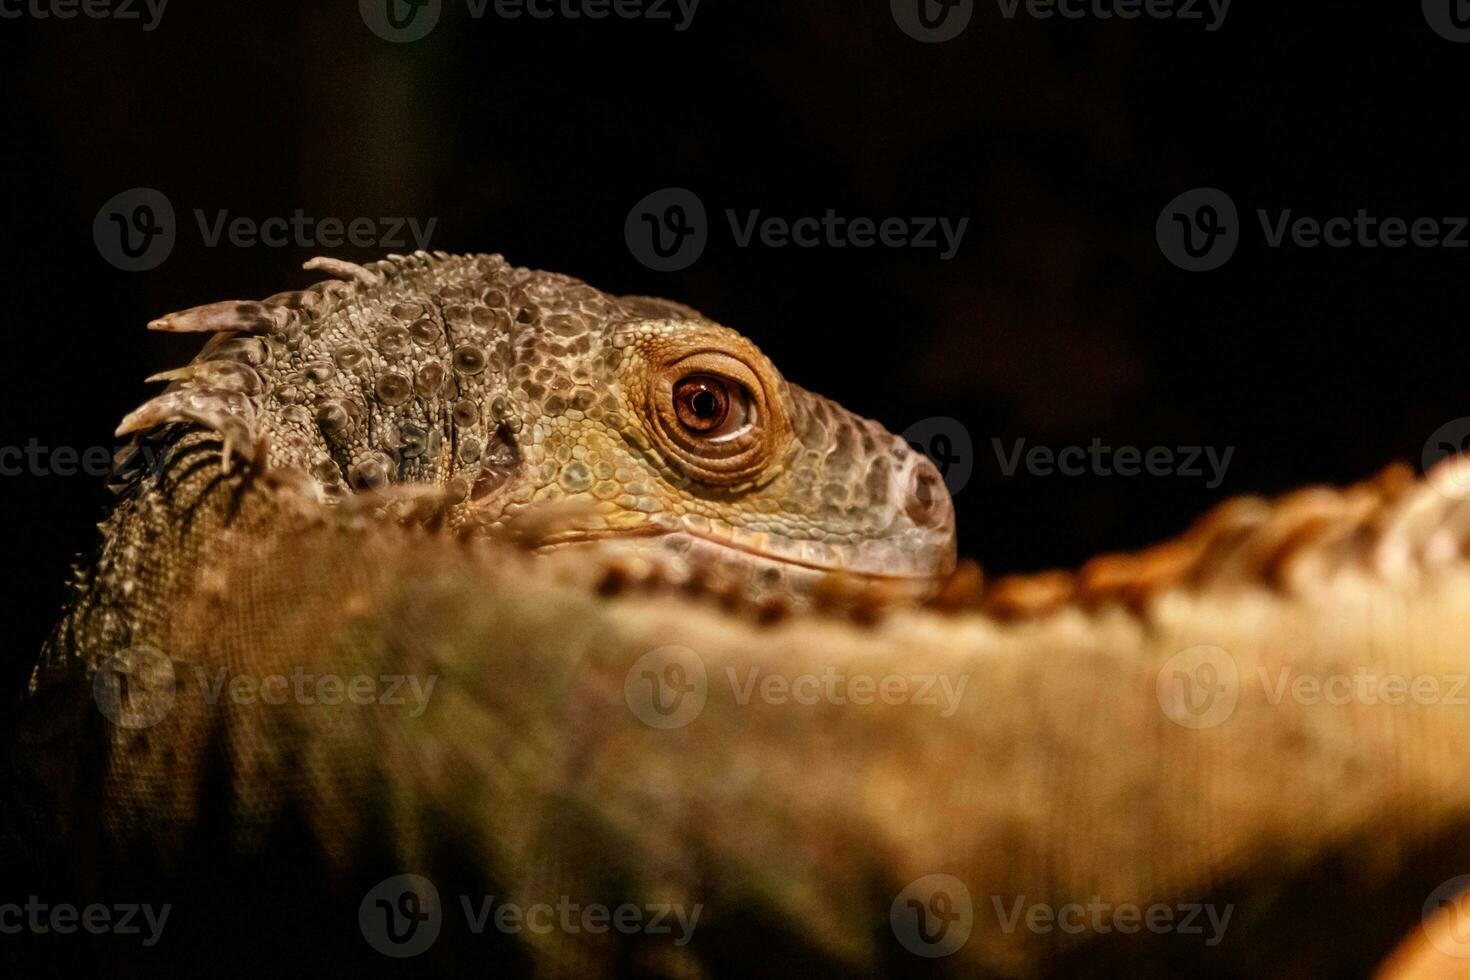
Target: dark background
[1058, 321]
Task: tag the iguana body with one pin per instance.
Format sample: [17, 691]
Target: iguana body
[1054, 771]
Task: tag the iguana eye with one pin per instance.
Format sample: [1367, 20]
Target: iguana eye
[713, 414]
[711, 407]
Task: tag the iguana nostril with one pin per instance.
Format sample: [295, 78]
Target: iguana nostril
[928, 501]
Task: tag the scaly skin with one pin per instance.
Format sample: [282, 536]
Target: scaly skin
[1055, 779]
[509, 387]
[504, 390]
[1060, 778]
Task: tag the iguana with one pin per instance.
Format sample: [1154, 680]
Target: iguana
[685, 637]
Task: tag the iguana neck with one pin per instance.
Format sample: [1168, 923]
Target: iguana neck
[180, 500]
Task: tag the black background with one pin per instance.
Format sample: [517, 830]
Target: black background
[1058, 321]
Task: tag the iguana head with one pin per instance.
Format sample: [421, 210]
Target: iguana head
[680, 434]
[512, 389]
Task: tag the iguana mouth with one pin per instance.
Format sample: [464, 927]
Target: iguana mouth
[884, 563]
[796, 562]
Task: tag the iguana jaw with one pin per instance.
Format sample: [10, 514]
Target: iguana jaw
[764, 565]
[814, 557]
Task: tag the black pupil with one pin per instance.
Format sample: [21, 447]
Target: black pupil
[704, 403]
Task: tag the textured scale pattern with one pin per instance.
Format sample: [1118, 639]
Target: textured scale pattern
[463, 372]
[253, 535]
[495, 392]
